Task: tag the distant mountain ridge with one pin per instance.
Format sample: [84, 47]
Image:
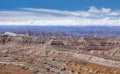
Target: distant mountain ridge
[65, 30]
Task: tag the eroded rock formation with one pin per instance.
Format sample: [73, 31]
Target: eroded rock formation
[59, 55]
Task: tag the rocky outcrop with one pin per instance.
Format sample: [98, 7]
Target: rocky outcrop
[63, 54]
[10, 34]
[86, 43]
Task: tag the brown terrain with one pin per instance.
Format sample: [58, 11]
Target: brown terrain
[24, 54]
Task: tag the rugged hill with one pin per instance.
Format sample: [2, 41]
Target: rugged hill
[24, 54]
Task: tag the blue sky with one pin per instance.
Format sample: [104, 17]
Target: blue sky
[60, 12]
[59, 4]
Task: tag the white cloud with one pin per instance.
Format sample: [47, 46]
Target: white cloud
[106, 10]
[102, 10]
[70, 13]
[32, 16]
[93, 9]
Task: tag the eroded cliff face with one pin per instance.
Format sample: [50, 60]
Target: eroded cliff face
[21, 54]
[54, 62]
